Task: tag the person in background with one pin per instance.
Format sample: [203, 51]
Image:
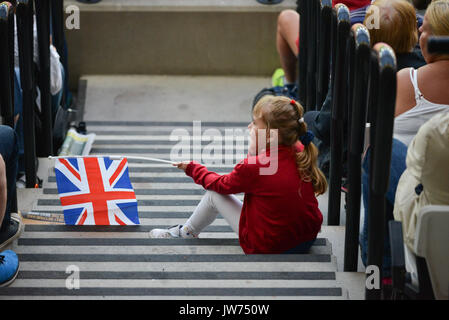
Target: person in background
[10, 223]
[398, 28]
[418, 99]
[422, 92]
[287, 38]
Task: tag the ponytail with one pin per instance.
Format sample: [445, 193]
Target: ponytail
[306, 162]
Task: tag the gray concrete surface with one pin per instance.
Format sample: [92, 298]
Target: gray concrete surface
[174, 37]
[171, 98]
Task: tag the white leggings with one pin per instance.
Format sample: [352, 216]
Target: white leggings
[212, 203]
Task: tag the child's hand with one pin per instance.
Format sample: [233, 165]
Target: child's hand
[182, 165]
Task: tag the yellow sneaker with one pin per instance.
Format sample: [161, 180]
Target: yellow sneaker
[277, 80]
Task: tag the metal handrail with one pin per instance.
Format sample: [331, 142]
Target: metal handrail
[324, 52]
[43, 34]
[24, 13]
[383, 120]
[57, 20]
[7, 64]
[357, 119]
[339, 96]
[439, 45]
[302, 10]
[312, 39]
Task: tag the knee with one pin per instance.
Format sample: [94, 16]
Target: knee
[9, 142]
[285, 19]
[212, 197]
[7, 137]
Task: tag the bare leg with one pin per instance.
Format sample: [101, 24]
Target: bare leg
[287, 34]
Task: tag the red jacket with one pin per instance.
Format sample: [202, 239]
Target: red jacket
[279, 212]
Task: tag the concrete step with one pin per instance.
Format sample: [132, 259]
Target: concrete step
[125, 262]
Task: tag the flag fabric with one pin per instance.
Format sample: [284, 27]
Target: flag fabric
[96, 191]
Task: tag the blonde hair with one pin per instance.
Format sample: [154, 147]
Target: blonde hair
[438, 16]
[281, 114]
[398, 26]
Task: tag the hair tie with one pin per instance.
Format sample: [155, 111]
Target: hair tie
[301, 120]
[293, 102]
[307, 138]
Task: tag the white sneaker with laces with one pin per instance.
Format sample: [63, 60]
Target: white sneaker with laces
[178, 231]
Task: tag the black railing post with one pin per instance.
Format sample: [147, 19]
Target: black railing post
[381, 159]
[438, 45]
[357, 118]
[6, 62]
[324, 52]
[336, 137]
[311, 55]
[302, 53]
[43, 32]
[24, 14]
[57, 21]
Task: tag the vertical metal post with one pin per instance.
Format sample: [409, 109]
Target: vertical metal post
[57, 21]
[311, 55]
[6, 85]
[339, 93]
[24, 14]
[357, 117]
[324, 52]
[381, 160]
[302, 54]
[43, 32]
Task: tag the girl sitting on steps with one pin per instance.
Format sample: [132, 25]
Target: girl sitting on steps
[280, 212]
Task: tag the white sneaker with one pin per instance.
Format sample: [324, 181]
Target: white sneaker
[178, 231]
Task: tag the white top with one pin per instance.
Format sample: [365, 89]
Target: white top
[407, 124]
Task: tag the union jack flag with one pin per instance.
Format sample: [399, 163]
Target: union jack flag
[96, 191]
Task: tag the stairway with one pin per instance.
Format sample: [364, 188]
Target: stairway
[122, 262]
[135, 115]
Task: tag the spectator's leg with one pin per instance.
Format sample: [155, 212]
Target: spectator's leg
[210, 205]
[286, 37]
[397, 167]
[9, 151]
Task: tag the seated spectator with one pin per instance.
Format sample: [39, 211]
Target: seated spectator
[10, 223]
[287, 37]
[397, 28]
[413, 109]
[358, 15]
[395, 14]
[280, 211]
[422, 93]
[426, 179]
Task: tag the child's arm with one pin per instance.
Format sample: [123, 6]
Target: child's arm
[239, 180]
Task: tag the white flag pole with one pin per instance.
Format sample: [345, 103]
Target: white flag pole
[115, 157]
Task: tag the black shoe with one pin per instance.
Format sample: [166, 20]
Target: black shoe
[10, 232]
